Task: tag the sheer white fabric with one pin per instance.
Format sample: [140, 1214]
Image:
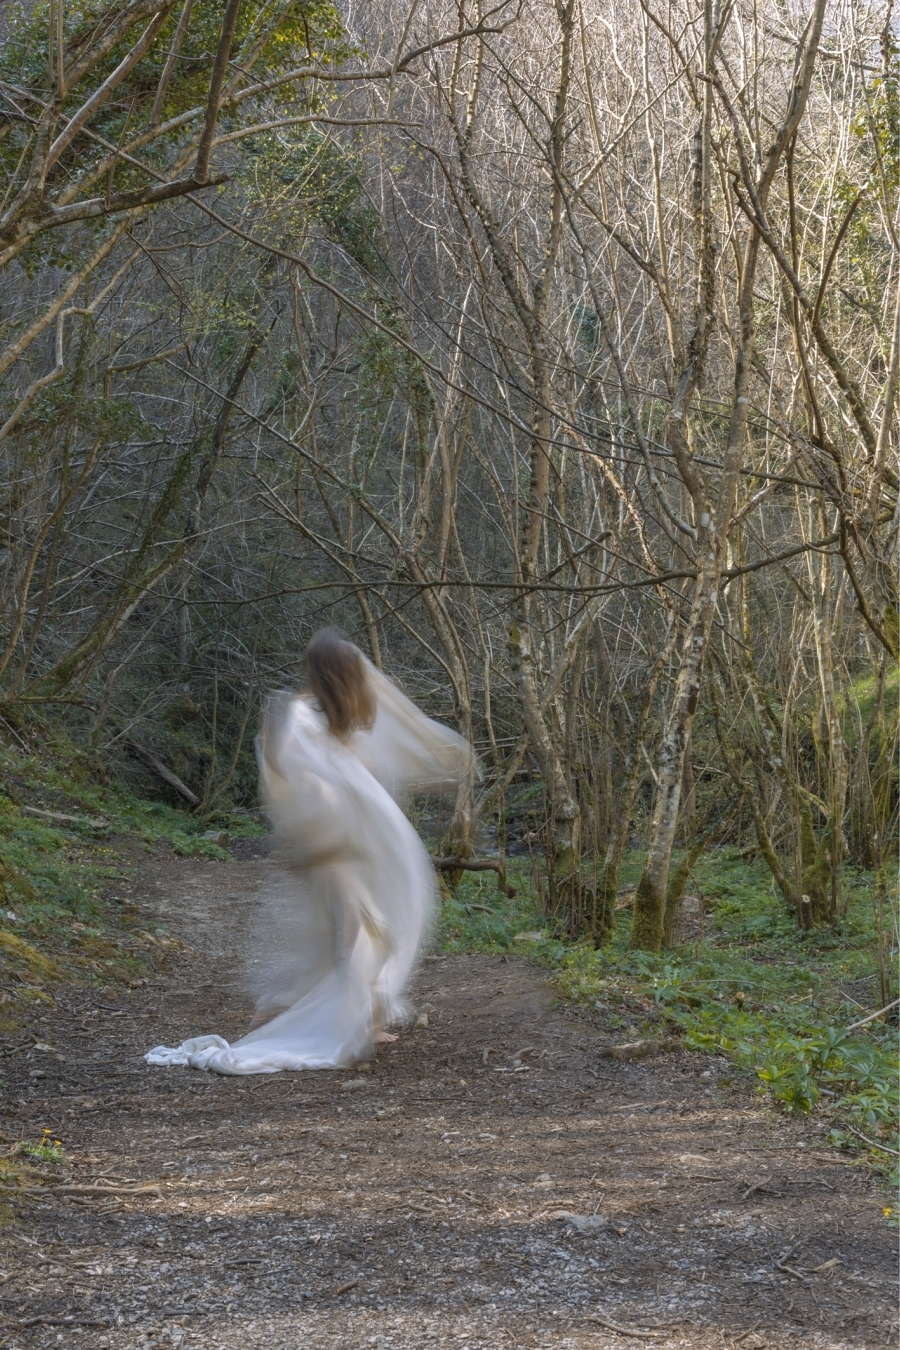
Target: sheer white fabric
[365, 885]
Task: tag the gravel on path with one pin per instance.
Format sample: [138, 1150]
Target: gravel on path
[491, 1180]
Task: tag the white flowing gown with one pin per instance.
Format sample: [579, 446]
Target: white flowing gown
[365, 886]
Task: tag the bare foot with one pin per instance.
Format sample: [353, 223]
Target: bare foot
[384, 1038]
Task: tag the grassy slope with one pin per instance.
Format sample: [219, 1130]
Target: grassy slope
[747, 985]
[58, 920]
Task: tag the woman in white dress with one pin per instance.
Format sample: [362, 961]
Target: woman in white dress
[334, 763]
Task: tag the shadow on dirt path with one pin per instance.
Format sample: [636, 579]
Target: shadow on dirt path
[491, 1181]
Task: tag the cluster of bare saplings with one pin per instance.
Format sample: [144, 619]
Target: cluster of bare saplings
[551, 347]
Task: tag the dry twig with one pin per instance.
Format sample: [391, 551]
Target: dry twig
[623, 1331]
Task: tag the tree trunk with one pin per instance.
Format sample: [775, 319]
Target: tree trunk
[650, 896]
[608, 884]
[713, 530]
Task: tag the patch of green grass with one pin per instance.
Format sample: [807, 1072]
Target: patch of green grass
[748, 985]
[49, 1149]
[860, 695]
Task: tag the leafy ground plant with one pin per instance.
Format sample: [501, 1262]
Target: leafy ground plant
[742, 984]
[48, 1149]
[67, 843]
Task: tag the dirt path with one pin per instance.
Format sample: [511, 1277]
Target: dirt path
[418, 1203]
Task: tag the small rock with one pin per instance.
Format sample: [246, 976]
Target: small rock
[583, 1223]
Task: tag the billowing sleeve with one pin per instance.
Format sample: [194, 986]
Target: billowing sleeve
[299, 790]
[407, 751]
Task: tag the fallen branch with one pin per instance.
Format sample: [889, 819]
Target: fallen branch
[790, 1270]
[162, 772]
[871, 1142]
[872, 1016]
[640, 1049]
[74, 1190]
[624, 1331]
[476, 865]
[58, 1322]
[59, 818]
[103, 1190]
[781, 1264]
[759, 1186]
[825, 1266]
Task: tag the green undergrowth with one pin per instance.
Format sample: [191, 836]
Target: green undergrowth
[743, 983]
[477, 916]
[62, 917]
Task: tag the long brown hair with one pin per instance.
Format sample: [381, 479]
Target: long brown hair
[337, 677]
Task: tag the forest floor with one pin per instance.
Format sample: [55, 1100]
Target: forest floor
[492, 1180]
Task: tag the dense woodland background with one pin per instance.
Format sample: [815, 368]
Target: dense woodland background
[551, 349]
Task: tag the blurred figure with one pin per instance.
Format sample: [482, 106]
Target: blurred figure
[334, 762]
